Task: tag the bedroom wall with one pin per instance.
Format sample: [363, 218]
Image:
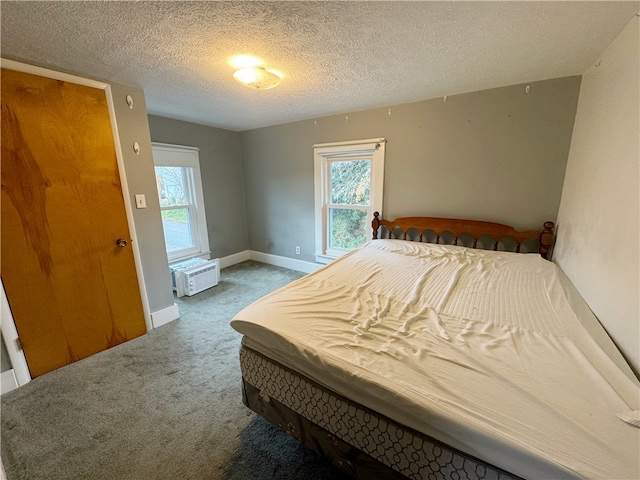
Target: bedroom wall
[496, 155]
[598, 222]
[133, 127]
[221, 170]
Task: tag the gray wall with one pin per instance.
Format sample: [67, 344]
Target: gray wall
[496, 155]
[140, 177]
[221, 169]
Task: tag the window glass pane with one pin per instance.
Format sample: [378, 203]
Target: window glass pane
[347, 228]
[350, 182]
[176, 223]
[173, 186]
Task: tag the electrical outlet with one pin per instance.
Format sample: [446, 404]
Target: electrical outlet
[297, 250]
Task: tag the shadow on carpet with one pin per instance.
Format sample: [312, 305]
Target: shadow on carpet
[267, 453]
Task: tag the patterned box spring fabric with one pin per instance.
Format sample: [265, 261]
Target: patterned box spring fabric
[351, 436]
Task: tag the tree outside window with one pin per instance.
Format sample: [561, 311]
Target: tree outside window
[348, 189]
[176, 206]
[181, 201]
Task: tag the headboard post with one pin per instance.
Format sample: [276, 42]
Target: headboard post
[375, 224]
[546, 239]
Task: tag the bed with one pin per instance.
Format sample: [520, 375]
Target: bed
[443, 360]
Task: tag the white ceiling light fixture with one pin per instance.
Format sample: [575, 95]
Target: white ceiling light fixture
[258, 78]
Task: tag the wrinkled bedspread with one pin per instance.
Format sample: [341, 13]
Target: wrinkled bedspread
[481, 350]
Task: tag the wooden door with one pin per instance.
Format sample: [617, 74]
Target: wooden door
[72, 290]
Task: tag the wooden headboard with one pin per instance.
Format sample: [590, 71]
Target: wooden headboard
[473, 228]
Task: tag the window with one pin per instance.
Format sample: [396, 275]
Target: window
[349, 178]
[181, 201]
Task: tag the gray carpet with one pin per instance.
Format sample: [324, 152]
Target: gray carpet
[166, 405]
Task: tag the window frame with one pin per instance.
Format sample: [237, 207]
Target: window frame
[167, 155]
[324, 154]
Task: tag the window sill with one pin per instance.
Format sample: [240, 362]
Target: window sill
[204, 255]
[328, 257]
[323, 258]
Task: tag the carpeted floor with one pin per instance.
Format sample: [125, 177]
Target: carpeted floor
[166, 405]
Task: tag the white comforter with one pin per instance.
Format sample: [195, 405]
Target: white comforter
[482, 350]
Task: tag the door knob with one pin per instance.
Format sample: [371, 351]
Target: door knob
[121, 242]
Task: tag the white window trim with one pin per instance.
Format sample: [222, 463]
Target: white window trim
[370, 149]
[164, 155]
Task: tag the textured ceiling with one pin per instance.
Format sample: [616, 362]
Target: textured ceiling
[335, 57]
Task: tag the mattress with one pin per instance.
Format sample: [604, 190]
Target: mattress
[484, 351]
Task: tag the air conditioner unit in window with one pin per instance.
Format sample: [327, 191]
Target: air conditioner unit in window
[194, 276]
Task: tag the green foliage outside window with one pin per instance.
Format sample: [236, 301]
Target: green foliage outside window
[350, 185]
[348, 228]
[179, 216]
[350, 182]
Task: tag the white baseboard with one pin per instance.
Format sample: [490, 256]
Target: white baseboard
[286, 262]
[235, 258]
[164, 316]
[8, 381]
[268, 258]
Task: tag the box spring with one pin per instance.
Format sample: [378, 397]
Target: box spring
[356, 439]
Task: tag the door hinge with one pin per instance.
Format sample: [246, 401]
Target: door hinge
[18, 343]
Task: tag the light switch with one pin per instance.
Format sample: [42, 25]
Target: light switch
[141, 201]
